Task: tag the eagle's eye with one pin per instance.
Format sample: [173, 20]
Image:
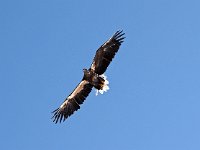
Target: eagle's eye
[85, 70]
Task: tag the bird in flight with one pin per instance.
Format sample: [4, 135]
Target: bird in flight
[93, 77]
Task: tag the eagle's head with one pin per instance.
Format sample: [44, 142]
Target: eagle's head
[87, 74]
[85, 71]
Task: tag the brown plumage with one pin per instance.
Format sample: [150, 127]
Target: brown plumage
[93, 77]
[73, 101]
[106, 53]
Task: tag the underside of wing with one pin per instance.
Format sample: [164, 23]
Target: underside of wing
[106, 53]
[72, 102]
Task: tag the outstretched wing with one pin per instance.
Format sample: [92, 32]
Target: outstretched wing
[106, 53]
[72, 102]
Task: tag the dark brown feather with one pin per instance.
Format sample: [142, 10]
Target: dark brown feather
[106, 53]
[72, 102]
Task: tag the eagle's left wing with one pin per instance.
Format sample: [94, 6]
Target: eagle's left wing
[72, 102]
[106, 53]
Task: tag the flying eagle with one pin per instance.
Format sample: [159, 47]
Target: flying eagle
[93, 77]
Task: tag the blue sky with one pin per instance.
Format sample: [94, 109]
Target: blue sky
[154, 97]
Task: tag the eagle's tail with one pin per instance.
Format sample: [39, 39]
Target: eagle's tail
[104, 86]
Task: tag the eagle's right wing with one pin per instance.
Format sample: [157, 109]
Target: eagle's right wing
[106, 53]
[72, 102]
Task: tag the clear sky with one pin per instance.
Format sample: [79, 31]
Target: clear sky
[154, 97]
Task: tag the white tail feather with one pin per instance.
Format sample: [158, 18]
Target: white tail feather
[105, 86]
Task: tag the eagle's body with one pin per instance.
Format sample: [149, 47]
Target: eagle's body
[97, 81]
[93, 77]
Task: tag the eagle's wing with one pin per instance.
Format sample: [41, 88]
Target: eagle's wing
[106, 53]
[72, 102]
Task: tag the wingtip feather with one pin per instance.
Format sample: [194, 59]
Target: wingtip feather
[119, 36]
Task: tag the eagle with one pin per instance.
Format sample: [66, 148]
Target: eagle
[93, 77]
